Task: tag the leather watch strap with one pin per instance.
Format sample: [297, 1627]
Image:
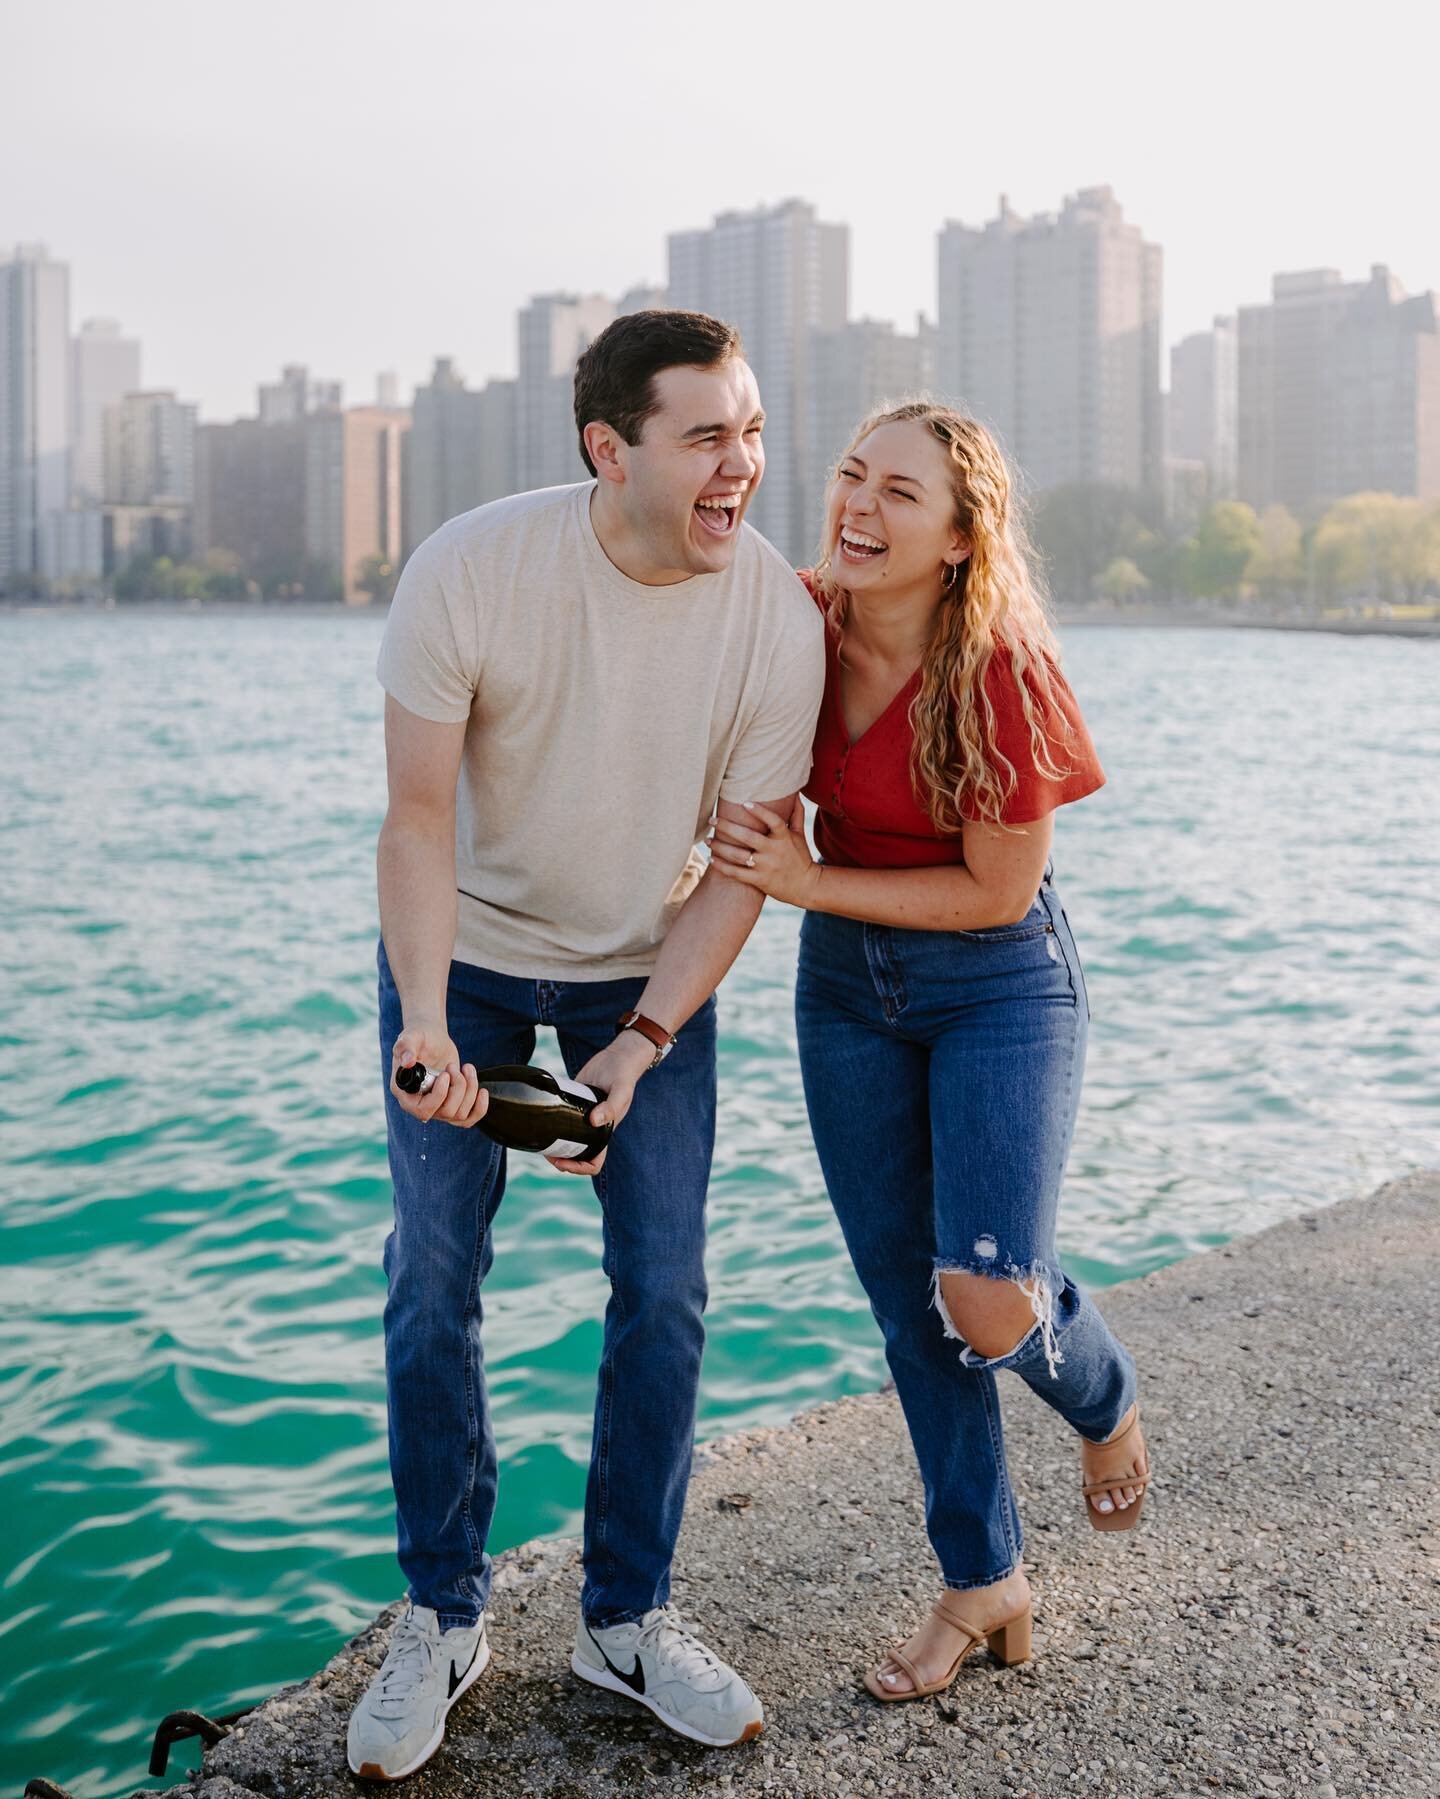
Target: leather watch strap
[663, 1040]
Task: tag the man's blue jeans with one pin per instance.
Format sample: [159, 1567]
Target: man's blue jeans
[942, 1075]
[448, 1187]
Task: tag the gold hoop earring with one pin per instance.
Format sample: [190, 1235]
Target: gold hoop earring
[951, 578]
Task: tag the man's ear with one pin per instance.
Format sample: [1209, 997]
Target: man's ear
[606, 451]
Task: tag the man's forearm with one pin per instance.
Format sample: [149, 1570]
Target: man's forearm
[415, 871]
[704, 940]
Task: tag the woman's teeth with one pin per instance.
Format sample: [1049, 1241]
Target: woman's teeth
[855, 546]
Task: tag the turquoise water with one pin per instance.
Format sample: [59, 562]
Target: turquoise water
[192, 1167]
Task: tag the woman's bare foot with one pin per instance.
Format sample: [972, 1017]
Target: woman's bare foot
[933, 1648]
[1100, 1462]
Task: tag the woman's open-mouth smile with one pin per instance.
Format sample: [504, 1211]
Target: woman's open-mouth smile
[857, 547]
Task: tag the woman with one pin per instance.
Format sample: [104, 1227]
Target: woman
[940, 1003]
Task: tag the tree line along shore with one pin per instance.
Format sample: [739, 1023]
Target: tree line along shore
[1368, 557]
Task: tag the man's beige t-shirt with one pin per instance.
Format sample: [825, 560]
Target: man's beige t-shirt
[604, 719]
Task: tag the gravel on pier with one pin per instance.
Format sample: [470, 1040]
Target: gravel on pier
[1273, 1627]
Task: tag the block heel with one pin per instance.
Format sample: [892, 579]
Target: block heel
[1011, 1643]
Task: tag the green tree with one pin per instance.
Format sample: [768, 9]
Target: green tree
[1228, 537]
[1373, 546]
[1082, 527]
[1277, 567]
[1122, 581]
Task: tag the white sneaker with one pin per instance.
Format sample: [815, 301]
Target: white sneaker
[659, 1663]
[400, 1722]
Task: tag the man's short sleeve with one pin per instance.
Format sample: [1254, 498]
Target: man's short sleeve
[427, 653]
[772, 756]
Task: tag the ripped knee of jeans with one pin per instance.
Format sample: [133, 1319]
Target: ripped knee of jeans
[1035, 1281]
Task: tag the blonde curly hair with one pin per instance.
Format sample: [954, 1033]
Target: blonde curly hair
[995, 605]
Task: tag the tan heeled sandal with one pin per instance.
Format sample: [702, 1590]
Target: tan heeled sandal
[1008, 1642]
[1130, 1516]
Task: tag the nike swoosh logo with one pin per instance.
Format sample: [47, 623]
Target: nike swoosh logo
[455, 1678]
[635, 1679]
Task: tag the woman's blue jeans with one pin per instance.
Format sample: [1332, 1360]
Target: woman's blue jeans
[942, 1073]
[448, 1188]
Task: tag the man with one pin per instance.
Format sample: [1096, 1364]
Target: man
[577, 680]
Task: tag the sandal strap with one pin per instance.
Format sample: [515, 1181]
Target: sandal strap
[1120, 1435]
[1138, 1481]
[903, 1661]
[946, 1616]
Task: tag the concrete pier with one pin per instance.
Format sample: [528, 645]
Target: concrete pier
[1273, 1627]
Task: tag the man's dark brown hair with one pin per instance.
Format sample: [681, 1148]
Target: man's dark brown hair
[615, 376]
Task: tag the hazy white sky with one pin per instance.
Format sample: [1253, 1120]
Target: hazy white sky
[359, 185]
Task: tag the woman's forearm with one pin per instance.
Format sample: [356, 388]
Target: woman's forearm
[917, 899]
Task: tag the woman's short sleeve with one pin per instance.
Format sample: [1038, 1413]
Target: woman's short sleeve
[1071, 751]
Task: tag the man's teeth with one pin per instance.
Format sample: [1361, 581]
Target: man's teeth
[723, 501]
[861, 540]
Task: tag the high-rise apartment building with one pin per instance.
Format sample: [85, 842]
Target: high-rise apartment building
[34, 405]
[250, 499]
[864, 365]
[149, 478]
[1285, 367]
[104, 366]
[1339, 391]
[778, 274]
[1387, 393]
[553, 330]
[295, 395]
[1049, 332]
[353, 494]
[496, 467]
[1203, 405]
[461, 449]
[149, 449]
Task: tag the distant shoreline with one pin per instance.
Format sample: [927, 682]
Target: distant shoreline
[1104, 618]
[1069, 616]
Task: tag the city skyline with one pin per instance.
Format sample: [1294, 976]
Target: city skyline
[372, 229]
[1047, 330]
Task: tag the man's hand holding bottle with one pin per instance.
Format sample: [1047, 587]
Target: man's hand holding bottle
[456, 1097]
[450, 1091]
[615, 1070]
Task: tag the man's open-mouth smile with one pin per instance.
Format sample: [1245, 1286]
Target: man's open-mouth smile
[719, 513]
[857, 547]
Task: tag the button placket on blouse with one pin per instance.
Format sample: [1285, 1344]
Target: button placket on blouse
[843, 764]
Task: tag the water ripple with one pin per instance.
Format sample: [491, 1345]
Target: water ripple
[195, 1192]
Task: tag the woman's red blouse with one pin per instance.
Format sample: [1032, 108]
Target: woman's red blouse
[868, 816]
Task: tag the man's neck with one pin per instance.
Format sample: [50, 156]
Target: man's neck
[621, 546]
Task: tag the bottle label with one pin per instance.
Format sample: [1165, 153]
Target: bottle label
[576, 1090]
[571, 1151]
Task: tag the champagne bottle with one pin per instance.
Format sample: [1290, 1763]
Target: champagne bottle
[530, 1109]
